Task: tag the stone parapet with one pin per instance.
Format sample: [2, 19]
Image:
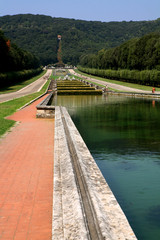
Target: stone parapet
[44, 109]
[84, 206]
[68, 219]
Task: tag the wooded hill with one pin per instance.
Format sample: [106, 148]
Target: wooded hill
[136, 61]
[138, 53]
[16, 64]
[13, 58]
[38, 34]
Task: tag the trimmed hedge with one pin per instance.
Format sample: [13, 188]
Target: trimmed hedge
[72, 85]
[79, 92]
[76, 88]
[11, 78]
[145, 77]
[68, 82]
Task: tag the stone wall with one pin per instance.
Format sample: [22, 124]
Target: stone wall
[84, 206]
[44, 109]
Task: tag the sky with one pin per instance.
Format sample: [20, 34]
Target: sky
[90, 10]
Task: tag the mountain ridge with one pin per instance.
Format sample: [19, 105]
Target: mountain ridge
[38, 34]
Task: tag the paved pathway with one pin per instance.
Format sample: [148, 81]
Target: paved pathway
[26, 178]
[31, 88]
[112, 85]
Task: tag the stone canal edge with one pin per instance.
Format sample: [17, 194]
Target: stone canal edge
[51, 187]
[84, 206]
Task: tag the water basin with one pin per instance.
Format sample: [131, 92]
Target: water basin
[123, 135]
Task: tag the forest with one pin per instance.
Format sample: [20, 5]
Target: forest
[16, 64]
[38, 35]
[13, 58]
[138, 53]
[136, 61]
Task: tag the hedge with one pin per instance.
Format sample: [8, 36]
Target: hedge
[11, 78]
[79, 92]
[145, 77]
[76, 88]
[72, 85]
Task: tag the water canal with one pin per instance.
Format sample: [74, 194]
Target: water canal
[123, 135]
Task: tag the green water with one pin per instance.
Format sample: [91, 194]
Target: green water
[123, 135]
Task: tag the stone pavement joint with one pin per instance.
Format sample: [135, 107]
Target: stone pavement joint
[26, 178]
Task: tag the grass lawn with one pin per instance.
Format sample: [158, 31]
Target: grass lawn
[21, 85]
[8, 108]
[126, 84]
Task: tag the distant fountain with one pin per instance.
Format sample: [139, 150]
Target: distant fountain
[59, 52]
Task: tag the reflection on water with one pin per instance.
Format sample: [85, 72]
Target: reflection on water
[123, 135]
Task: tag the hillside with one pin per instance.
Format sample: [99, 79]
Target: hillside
[13, 58]
[135, 61]
[135, 54]
[38, 34]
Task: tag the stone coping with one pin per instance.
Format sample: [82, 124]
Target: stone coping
[45, 102]
[44, 109]
[144, 95]
[84, 206]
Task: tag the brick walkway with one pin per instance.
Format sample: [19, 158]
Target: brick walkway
[26, 178]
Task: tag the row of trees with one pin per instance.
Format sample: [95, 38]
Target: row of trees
[144, 77]
[139, 53]
[13, 58]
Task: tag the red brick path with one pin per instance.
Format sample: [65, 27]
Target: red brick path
[26, 178]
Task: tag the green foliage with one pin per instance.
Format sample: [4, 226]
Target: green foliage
[135, 61]
[22, 84]
[145, 77]
[66, 87]
[79, 92]
[76, 88]
[38, 34]
[13, 58]
[12, 78]
[69, 83]
[139, 53]
[119, 82]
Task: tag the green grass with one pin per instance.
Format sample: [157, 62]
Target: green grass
[8, 108]
[21, 85]
[132, 85]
